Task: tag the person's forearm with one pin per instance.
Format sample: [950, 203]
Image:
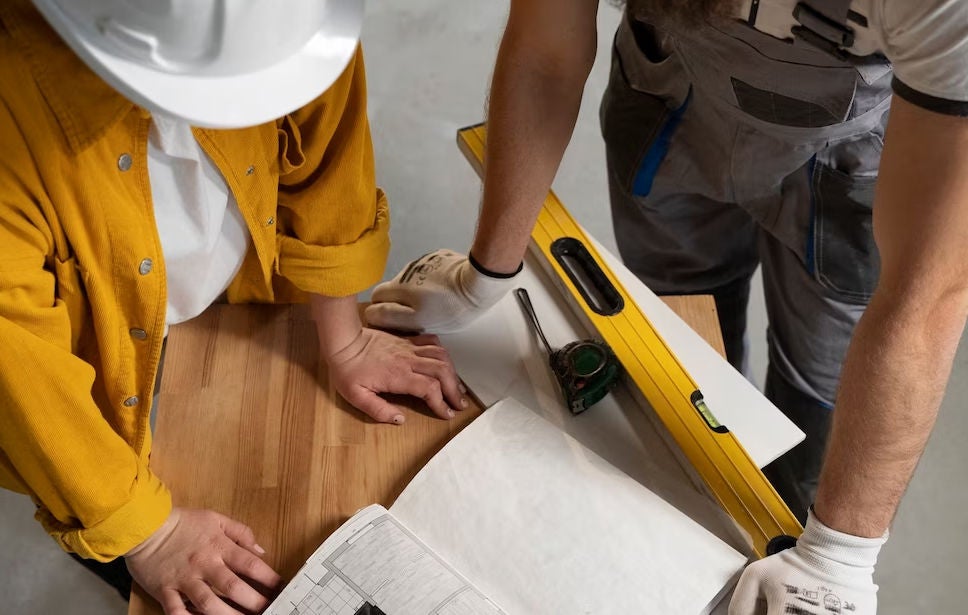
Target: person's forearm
[892, 384]
[532, 112]
[337, 322]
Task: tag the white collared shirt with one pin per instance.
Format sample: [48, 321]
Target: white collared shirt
[203, 235]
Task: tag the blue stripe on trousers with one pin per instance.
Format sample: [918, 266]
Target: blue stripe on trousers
[642, 185]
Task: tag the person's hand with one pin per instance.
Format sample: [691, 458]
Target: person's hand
[440, 292]
[827, 572]
[204, 559]
[378, 362]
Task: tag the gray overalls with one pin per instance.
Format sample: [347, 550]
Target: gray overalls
[729, 148]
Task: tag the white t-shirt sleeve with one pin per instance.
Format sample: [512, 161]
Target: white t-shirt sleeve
[927, 42]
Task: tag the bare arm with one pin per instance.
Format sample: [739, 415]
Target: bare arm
[337, 322]
[545, 56]
[901, 354]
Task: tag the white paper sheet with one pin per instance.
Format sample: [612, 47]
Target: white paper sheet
[498, 356]
[764, 431]
[542, 525]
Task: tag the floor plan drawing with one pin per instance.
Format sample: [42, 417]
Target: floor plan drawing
[373, 565]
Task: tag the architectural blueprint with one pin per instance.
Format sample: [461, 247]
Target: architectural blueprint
[372, 565]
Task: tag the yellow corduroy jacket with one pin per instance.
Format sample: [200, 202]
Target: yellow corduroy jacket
[82, 278]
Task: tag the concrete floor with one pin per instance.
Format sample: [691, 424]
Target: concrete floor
[429, 64]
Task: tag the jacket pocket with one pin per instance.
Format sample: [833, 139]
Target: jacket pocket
[641, 108]
[71, 291]
[291, 156]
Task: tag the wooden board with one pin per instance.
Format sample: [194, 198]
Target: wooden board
[249, 426]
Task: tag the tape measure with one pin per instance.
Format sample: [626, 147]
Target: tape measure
[718, 460]
[586, 370]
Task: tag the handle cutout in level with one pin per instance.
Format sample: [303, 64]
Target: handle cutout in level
[587, 276]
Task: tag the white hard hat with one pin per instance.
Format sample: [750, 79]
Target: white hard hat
[213, 63]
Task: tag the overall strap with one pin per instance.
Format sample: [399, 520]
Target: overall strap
[824, 24]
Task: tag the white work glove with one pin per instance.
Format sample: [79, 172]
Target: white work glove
[440, 292]
[827, 572]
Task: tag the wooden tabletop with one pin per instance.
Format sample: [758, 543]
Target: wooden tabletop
[249, 426]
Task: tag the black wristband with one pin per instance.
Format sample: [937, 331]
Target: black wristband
[492, 274]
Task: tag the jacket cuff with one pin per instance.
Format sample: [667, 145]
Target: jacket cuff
[341, 270]
[124, 529]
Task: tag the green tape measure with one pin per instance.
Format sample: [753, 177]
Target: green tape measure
[586, 370]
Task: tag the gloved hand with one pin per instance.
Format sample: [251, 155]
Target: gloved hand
[439, 292]
[827, 572]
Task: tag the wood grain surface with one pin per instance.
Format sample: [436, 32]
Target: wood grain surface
[249, 426]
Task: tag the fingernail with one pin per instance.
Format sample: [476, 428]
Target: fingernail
[463, 389]
[398, 419]
[463, 402]
[450, 413]
[259, 549]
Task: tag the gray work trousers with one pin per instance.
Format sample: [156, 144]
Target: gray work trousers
[728, 148]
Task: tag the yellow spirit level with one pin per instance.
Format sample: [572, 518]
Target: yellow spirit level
[720, 461]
